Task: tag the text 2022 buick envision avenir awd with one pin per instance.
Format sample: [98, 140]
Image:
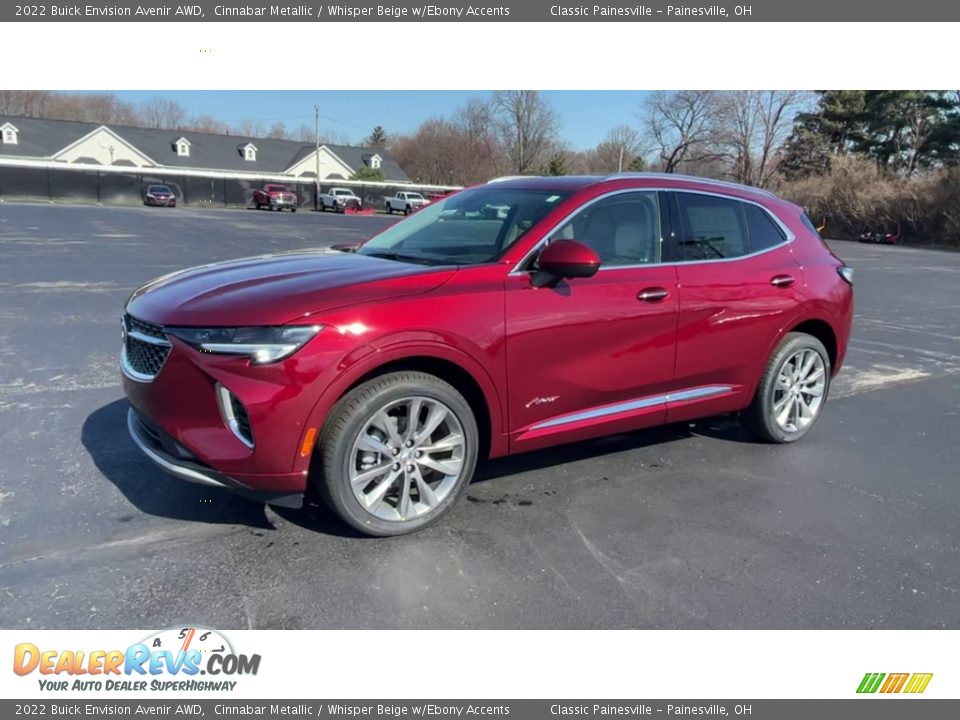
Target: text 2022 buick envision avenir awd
[581, 306]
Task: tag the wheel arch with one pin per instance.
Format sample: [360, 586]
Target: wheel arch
[822, 331]
[449, 364]
[815, 324]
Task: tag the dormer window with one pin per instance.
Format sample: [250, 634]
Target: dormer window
[9, 134]
[249, 152]
[375, 162]
[183, 147]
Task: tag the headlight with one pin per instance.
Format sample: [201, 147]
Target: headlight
[261, 344]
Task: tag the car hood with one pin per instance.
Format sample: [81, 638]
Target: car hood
[275, 289]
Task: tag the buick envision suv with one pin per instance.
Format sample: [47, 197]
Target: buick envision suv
[578, 307]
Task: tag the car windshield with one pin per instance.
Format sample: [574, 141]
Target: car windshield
[343, 192]
[159, 189]
[474, 226]
[276, 188]
[414, 196]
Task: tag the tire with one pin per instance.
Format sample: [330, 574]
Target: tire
[406, 210]
[387, 209]
[765, 418]
[293, 209]
[341, 459]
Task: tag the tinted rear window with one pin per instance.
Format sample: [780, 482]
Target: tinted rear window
[764, 232]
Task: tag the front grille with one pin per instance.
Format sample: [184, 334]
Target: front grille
[146, 354]
[144, 327]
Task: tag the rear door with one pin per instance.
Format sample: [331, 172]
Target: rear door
[739, 285]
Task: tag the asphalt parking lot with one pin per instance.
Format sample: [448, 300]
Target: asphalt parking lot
[689, 526]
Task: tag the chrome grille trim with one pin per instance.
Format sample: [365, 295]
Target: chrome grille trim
[145, 349]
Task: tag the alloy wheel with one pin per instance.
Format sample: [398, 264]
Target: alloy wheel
[407, 459]
[798, 392]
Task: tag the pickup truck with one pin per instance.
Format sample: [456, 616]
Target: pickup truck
[275, 197]
[338, 199]
[405, 202]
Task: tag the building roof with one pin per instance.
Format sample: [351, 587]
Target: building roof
[41, 138]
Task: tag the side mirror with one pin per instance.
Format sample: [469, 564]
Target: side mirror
[565, 259]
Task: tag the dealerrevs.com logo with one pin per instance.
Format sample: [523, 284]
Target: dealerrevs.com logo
[172, 660]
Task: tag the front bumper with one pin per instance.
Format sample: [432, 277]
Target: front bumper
[174, 459]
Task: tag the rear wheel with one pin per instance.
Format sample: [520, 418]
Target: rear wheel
[406, 210]
[396, 453]
[792, 390]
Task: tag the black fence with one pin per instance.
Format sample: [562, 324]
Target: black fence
[127, 188]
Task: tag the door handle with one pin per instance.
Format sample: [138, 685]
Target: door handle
[653, 294]
[782, 281]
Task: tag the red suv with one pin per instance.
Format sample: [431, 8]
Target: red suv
[511, 316]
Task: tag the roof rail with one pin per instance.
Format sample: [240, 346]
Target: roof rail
[692, 178]
[511, 177]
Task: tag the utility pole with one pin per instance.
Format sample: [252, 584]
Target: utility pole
[316, 159]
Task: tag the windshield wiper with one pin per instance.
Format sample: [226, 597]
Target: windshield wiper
[400, 257]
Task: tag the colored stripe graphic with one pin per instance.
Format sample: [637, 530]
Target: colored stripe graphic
[918, 682]
[870, 682]
[894, 682]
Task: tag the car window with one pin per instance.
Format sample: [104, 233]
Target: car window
[764, 232]
[712, 228]
[473, 226]
[623, 229]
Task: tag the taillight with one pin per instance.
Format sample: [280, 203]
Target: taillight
[846, 272]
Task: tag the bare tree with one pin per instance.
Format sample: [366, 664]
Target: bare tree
[682, 127]
[752, 125]
[208, 124]
[278, 131]
[527, 127]
[619, 150]
[26, 103]
[430, 155]
[480, 158]
[93, 107]
[160, 112]
[304, 134]
[250, 128]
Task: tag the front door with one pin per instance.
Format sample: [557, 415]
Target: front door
[592, 356]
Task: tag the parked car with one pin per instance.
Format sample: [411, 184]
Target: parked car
[405, 202]
[880, 237]
[160, 196]
[276, 197]
[338, 199]
[376, 379]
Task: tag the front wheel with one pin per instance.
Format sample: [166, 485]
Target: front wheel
[792, 390]
[396, 453]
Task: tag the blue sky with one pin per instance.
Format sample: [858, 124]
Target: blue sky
[586, 116]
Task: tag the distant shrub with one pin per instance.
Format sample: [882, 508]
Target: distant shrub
[856, 196]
